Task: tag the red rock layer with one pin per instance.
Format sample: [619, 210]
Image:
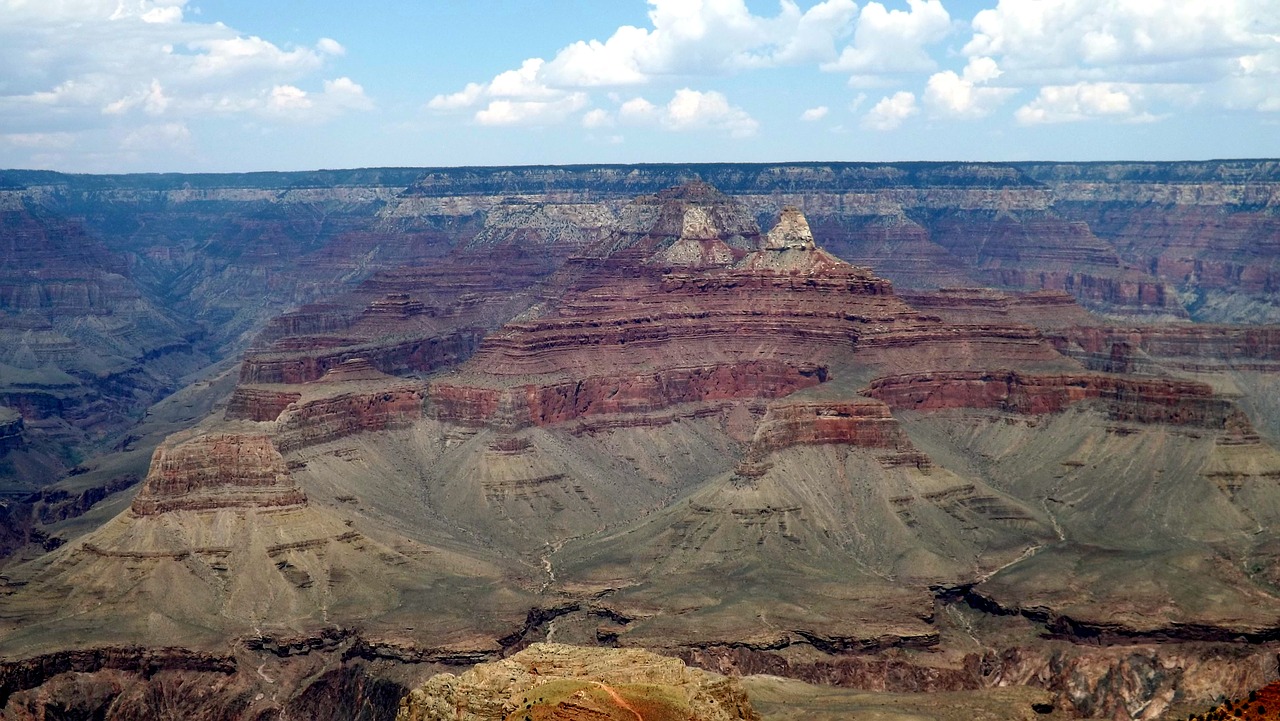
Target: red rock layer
[1143, 400]
[651, 317]
[632, 337]
[1230, 345]
[398, 356]
[324, 419]
[255, 403]
[558, 402]
[216, 471]
[1045, 309]
[862, 423]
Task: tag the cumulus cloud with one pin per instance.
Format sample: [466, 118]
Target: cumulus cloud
[531, 112]
[1088, 58]
[686, 38]
[894, 41]
[813, 114]
[891, 112]
[1068, 103]
[690, 110]
[638, 110]
[1101, 33]
[965, 95]
[701, 37]
[693, 110]
[113, 67]
[596, 118]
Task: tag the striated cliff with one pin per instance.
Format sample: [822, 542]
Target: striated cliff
[216, 471]
[1146, 400]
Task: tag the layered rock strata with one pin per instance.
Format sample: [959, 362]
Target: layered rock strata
[1147, 400]
[216, 471]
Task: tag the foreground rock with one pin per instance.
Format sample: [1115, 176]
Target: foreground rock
[555, 681]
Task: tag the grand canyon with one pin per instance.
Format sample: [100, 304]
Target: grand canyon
[807, 440]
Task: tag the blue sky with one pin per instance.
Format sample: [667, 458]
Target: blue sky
[233, 85]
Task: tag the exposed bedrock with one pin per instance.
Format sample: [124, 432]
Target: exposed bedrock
[1125, 294]
[395, 356]
[11, 428]
[1131, 681]
[559, 402]
[258, 403]
[222, 470]
[347, 413]
[1144, 400]
[558, 681]
[1187, 346]
[862, 423]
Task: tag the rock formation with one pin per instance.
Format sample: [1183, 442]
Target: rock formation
[514, 405]
[555, 681]
[216, 471]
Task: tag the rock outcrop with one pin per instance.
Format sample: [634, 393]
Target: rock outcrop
[1182, 403]
[862, 423]
[216, 471]
[555, 681]
[10, 430]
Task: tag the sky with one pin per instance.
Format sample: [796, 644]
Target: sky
[106, 86]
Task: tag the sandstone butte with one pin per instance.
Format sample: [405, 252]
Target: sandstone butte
[677, 432]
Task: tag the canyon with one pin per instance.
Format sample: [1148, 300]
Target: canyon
[288, 443]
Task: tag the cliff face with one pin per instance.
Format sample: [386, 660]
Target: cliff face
[1141, 400]
[218, 471]
[132, 282]
[527, 405]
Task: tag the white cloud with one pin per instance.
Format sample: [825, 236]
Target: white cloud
[151, 99]
[597, 118]
[964, 96]
[460, 100]
[170, 14]
[687, 37]
[287, 99]
[86, 66]
[329, 46]
[1102, 33]
[1068, 103]
[891, 112]
[1086, 56]
[521, 83]
[694, 110]
[893, 41]
[691, 110]
[817, 113]
[531, 112]
[638, 110]
[347, 94]
[288, 102]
